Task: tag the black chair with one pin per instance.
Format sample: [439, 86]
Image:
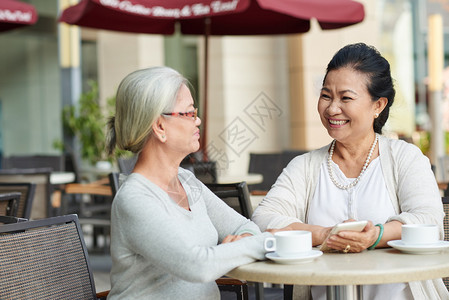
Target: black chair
[45, 259]
[8, 208]
[11, 219]
[41, 207]
[8, 204]
[114, 182]
[205, 171]
[270, 165]
[92, 203]
[236, 195]
[445, 201]
[267, 164]
[27, 190]
[55, 162]
[288, 155]
[72, 164]
[126, 164]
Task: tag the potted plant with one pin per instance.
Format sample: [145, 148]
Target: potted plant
[87, 122]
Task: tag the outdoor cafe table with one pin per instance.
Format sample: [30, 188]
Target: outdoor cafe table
[343, 274]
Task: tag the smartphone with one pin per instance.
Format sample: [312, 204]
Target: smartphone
[352, 226]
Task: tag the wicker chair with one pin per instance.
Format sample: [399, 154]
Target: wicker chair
[8, 204]
[45, 259]
[41, 207]
[10, 219]
[27, 190]
[8, 209]
[446, 229]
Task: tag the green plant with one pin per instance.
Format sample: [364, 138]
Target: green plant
[87, 122]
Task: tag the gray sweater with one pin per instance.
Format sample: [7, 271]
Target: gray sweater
[162, 251]
[410, 183]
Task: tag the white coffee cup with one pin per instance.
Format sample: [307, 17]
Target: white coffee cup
[289, 243]
[420, 234]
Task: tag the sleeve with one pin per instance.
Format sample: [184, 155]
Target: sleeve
[153, 233]
[286, 201]
[417, 190]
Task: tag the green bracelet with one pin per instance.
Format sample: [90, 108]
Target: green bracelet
[381, 232]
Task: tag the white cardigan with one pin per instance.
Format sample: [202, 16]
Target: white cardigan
[410, 183]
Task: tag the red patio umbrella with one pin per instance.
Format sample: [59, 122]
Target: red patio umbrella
[213, 17]
[14, 14]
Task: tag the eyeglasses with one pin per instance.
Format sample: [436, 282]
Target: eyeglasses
[191, 114]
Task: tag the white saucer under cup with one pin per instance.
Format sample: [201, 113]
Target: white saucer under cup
[300, 259]
[419, 249]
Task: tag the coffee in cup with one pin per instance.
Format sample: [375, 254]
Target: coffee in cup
[289, 243]
[420, 234]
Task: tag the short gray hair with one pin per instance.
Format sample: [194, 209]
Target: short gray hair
[142, 97]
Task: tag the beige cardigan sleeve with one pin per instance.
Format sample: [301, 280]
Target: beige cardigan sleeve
[412, 184]
[288, 199]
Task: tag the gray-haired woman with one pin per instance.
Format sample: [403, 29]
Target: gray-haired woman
[171, 237]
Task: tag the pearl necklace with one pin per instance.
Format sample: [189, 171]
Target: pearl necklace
[352, 184]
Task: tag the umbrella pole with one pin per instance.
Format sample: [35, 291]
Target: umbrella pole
[203, 142]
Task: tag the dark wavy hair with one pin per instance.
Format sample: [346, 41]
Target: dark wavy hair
[367, 60]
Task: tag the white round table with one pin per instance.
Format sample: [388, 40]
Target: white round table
[62, 177]
[344, 273]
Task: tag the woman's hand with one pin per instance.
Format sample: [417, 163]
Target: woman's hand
[232, 238]
[273, 231]
[357, 241]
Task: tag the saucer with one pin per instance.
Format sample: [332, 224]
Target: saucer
[419, 249]
[300, 259]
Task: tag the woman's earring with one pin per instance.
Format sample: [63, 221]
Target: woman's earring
[376, 115]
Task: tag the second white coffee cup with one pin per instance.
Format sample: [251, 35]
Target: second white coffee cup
[419, 234]
[289, 243]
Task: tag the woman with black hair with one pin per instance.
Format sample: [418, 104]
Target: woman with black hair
[361, 175]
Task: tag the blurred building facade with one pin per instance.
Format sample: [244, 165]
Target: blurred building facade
[263, 90]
